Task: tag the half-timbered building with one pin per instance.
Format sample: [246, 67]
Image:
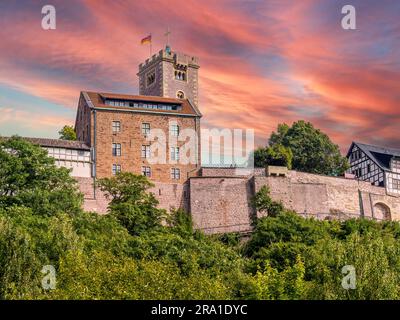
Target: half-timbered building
[378, 165]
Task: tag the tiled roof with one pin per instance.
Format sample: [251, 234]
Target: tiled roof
[380, 155]
[58, 143]
[98, 101]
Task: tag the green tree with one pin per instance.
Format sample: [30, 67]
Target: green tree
[67, 133]
[312, 149]
[276, 155]
[131, 204]
[28, 177]
[263, 203]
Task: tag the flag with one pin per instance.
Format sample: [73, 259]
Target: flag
[146, 40]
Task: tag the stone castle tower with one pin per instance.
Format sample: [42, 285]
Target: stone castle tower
[170, 74]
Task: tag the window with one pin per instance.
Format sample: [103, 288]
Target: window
[356, 155]
[116, 126]
[145, 151]
[174, 130]
[116, 149]
[116, 168]
[396, 184]
[145, 128]
[180, 95]
[146, 171]
[150, 78]
[174, 153]
[180, 75]
[175, 173]
[144, 105]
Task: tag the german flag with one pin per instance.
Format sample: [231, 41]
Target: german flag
[146, 40]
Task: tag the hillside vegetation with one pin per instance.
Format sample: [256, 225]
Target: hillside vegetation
[138, 251]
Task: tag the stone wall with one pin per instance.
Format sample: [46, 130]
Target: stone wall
[312, 194]
[219, 205]
[220, 201]
[94, 200]
[170, 196]
[131, 139]
[222, 204]
[230, 172]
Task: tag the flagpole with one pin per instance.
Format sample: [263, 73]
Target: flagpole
[150, 45]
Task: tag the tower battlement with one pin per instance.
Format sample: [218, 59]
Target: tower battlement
[170, 74]
[171, 56]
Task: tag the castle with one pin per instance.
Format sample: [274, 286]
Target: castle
[119, 132]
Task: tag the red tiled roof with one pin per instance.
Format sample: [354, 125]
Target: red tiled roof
[58, 143]
[98, 100]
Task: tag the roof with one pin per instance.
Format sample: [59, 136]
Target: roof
[380, 155]
[98, 102]
[58, 143]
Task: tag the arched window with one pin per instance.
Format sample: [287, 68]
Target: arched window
[151, 77]
[180, 75]
[180, 95]
[381, 211]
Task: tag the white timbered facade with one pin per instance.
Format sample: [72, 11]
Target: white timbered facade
[378, 165]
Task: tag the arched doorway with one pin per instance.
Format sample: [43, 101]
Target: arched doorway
[381, 211]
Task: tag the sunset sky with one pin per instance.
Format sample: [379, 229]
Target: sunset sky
[262, 62]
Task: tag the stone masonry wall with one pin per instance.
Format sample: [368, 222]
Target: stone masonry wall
[169, 195]
[131, 139]
[313, 194]
[221, 204]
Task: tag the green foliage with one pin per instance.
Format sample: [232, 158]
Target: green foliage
[139, 252]
[312, 149]
[28, 177]
[134, 207]
[272, 284]
[263, 203]
[180, 222]
[275, 155]
[67, 133]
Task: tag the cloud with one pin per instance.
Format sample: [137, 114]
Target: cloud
[262, 62]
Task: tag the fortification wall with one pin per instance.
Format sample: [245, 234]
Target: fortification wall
[230, 172]
[220, 200]
[170, 195]
[313, 194]
[221, 204]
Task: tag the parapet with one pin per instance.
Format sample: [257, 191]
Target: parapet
[277, 171]
[174, 57]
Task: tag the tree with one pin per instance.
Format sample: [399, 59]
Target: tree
[28, 177]
[264, 203]
[131, 204]
[67, 133]
[312, 149]
[277, 155]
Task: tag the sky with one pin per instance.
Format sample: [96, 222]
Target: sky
[262, 62]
